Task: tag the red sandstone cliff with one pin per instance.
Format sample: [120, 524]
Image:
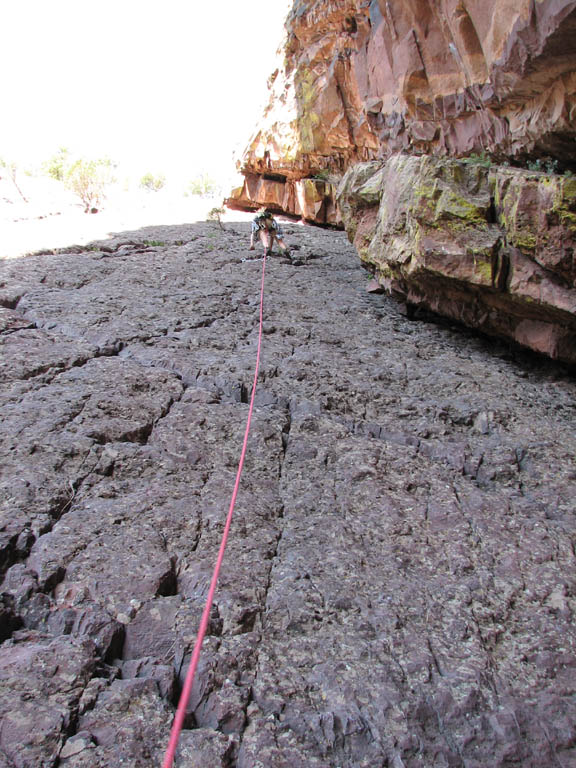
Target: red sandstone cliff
[360, 81]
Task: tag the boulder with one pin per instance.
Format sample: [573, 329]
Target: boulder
[491, 248]
[42, 680]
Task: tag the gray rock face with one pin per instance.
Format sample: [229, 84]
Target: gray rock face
[398, 589]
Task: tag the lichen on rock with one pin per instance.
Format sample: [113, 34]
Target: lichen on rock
[492, 82]
[488, 247]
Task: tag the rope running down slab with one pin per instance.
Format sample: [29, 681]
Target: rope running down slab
[186, 690]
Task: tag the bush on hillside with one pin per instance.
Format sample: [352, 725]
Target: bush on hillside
[88, 179]
[204, 186]
[11, 169]
[57, 166]
[152, 182]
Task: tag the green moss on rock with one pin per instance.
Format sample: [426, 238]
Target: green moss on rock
[569, 189]
[484, 270]
[497, 236]
[525, 240]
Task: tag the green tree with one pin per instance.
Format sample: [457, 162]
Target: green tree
[57, 166]
[215, 214]
[88, 179]
[152, 182]
[203, 185]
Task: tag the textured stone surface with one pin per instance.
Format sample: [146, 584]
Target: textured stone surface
[492, 248]
[42, 680]
[399, 583]
[310, 199]
[357, 80]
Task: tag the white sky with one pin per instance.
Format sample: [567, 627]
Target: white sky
[161, 86]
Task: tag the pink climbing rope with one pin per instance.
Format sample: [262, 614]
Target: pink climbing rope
[186, 690]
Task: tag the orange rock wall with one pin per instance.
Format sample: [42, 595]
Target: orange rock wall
[358, 80]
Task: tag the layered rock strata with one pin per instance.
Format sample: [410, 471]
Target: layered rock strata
[399, 586]
[313, 200]
[490, 247]
[358, 80]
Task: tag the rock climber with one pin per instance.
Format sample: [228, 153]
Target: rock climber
[269, 230]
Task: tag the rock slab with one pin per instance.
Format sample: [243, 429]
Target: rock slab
[399, 584]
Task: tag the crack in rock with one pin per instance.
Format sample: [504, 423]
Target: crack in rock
[406, 509]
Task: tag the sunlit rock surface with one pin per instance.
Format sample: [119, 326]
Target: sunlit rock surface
[357, 80]
[365, 81]
[310, 199]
